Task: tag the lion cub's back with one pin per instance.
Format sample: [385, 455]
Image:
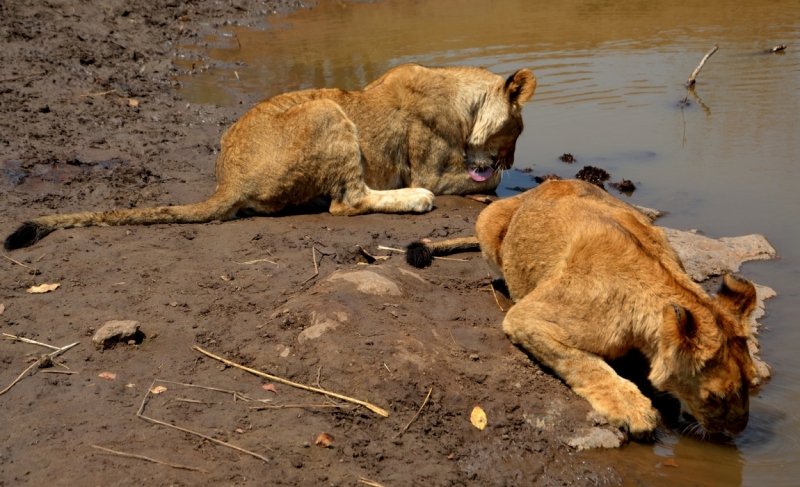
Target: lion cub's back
[575, 227]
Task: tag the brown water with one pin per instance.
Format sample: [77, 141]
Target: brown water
[610, 81]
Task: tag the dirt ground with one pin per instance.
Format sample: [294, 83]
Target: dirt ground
[89, 120]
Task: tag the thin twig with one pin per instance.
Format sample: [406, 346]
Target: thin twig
[140, 414]
[18, 262]
[17, 78]
[20, 376]
[416, 415]
[101, 93]
[362, 480]
[194, 401]
[237, 395]
[316, 268]
[28, 340]
[50, 371]
[37, 362]
[142, 457]
[255, 261]
[367, 405]
[288, 406]
[495, 295]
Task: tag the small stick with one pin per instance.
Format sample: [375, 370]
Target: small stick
[237, 75]
[696, 71]
[495, 294]
[238, 395]
[194, 401]
[362, 480]
[28, 340]
[22, 77]
[142, 457]
[416, 415]
[213, 440]
[288, 406]
[101, 93]
[451, 335]
[255, 261]
[381, 247]
[367, 405]
[777, 48]
[18, 262]
[316, 268]
[37, 362]
[20, 376]
[47, 371]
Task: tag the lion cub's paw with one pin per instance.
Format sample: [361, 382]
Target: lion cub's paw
[420, 200]
[629, 409]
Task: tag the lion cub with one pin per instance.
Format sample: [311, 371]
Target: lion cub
[592, 279]
[413, 133]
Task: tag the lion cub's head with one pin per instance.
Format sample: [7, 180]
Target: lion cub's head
[497, 125]
[704, 358]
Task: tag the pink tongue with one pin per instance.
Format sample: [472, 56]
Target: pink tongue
[481, 175]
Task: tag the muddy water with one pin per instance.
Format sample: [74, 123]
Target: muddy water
[610, 84]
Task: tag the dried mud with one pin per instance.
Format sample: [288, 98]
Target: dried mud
[72, 139]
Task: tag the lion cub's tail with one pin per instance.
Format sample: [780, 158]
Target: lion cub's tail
[420, 254]
[219, 207]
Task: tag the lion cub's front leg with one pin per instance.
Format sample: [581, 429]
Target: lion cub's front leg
[529, 325]
[405, 200]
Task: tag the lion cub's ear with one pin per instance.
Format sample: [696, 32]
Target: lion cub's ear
[679, 328]
[520, 86]
[737, 295]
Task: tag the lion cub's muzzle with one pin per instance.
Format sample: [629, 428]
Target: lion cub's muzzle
[482, 169]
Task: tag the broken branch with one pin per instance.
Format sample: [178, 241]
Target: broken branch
[367, 405]
[416, 415]
[142, 457]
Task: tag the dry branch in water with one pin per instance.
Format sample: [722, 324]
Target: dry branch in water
[691, 80]
[371, 407]
[142, 457]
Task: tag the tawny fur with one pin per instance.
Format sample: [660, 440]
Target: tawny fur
[389, 148]
[593, 279]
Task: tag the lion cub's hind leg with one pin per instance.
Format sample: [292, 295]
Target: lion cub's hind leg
[529, 325]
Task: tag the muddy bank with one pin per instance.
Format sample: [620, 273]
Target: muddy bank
[90, 120]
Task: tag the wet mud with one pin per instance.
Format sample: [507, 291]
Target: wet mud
[90, 119]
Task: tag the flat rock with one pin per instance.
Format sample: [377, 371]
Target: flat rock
[596, 437]
[321, 324]
[704, 257]
[115, 331]
[369, 282]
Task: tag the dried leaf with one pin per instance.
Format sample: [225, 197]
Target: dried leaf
[130, 384]
[239, 430]
[2, 308]
[43, 288]
[270, 387]
[158, 389]
[669, 462]
[324, 440]
[478, 418]
[132, 102]
[108, 376]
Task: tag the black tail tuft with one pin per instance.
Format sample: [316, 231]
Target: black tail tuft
[419, 255]
[27, 234]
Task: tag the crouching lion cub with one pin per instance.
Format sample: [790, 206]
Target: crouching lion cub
[412, 133]
[592, 279]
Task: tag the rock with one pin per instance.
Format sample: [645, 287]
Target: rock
[649, 212]
[596, 438]
[113, 331]
[369, 282]
[704, 257]
[321, 324]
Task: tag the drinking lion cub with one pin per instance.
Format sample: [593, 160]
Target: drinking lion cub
[593, 279]
[412, 133]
